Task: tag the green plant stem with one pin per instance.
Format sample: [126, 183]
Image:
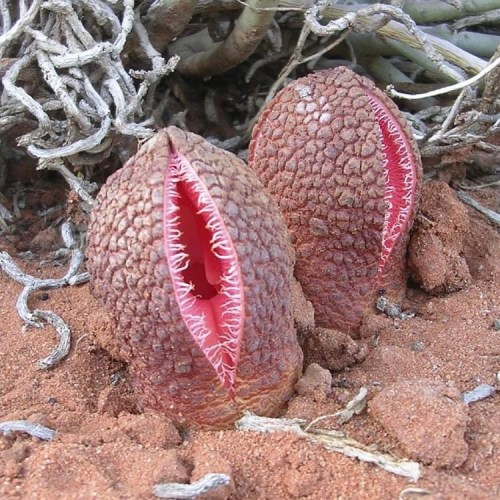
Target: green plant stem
[479, 44]
[384, 71]
[216, 58]
[436, 11]
[394, 33]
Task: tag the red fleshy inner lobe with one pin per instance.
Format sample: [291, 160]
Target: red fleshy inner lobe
[400, 178]
[204, 268]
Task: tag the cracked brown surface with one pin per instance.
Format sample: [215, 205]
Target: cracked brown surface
[317, 149]
[131, 276]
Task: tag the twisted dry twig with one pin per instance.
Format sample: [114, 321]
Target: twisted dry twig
[333, 441]
[208, 483]
[38, 318]
[36, 430]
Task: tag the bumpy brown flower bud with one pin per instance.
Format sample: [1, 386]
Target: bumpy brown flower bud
[336, 154]
[193, 260]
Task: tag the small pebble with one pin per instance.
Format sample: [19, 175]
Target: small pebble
[482, 391]
[417, 346]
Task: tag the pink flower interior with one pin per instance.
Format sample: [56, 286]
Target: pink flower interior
[204, 268]
[400, 169]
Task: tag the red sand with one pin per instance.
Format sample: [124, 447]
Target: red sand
[414, 372]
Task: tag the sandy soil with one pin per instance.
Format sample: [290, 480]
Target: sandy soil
[415, 372]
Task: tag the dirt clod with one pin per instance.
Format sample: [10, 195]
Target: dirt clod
[150, 430]
[115, 399]
[316, 382]
[436, 257]
[428, 419]
[47, 240]
[332, 349]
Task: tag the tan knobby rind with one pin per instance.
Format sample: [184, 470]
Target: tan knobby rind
[130, 275]
[317, 148]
